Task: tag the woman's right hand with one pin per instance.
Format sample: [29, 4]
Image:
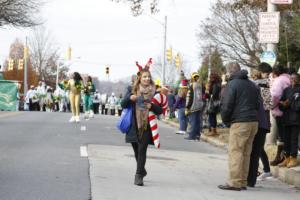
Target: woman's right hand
[133, 97]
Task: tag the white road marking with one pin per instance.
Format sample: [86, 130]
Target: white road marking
[83, 128]
[83, 151]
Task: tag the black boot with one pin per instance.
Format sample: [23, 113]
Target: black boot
[144, 173]
[138, 180]
[279, 156]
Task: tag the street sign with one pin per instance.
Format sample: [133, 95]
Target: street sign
[281, 1]
[268, 57]
[269, 27]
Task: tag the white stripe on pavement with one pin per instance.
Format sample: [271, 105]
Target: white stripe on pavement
[83, 151]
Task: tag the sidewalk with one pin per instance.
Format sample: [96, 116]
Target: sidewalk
[4, 114]
[288, 175]
[176, 175]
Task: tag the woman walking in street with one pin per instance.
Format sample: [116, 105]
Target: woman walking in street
[89, 90]
[140, 135]
[75, 86]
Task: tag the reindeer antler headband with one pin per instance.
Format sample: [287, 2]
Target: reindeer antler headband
[147, 66]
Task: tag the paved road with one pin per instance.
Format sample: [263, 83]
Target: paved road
[40, 153]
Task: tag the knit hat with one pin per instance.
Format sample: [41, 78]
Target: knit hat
[195, 74]
[184, 83]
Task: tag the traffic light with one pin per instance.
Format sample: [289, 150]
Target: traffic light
[107, 70]
[10, 64]
[177, 61]
[21, 64]
[169, 54]
[69, 53]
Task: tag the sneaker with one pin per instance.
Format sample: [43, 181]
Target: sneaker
[86, 115]
[91, 114]
[77, 119]
[72, 119]
[188, 138]
[264, 175]
[180, 132]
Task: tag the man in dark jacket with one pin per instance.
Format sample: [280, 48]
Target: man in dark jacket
[239, 109]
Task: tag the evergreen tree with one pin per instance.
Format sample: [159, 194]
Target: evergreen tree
[216, 64]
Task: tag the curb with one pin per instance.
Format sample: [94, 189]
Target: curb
[5, 114]
[205, 138]
[290, 176]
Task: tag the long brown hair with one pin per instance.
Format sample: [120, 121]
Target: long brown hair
[138, 80]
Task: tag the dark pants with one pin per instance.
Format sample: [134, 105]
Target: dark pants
[291, 140]
[102, 109]
[113, 112]
[171, 112]
[96, 108]
[281, 130]
[38, 107]
[31, 105]
[119, 112]
[212, 120]
[265, 161]
[140, 152]
[195, 129]
[257, 147]
[183, 120]
[56, 106]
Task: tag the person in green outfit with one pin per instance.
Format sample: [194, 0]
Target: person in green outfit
[89, 90]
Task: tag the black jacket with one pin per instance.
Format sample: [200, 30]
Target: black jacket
[215, 91]
[290, 116]
[131, 136]
[239, 101]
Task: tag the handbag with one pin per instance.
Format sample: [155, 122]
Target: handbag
[213, 106]
[125, 120]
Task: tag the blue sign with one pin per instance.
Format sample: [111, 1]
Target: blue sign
[268, 57]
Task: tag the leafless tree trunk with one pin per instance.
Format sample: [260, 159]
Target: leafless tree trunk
[45, 55]
[20, 13]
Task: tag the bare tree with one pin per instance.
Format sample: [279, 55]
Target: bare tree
[44, 55]
[137, 6]
[20, 13]
[234, 31]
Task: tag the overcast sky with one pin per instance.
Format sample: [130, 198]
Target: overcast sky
[102, 32]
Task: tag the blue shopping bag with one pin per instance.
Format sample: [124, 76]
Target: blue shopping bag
[125, 120]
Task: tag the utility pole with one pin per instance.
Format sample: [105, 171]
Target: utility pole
[57, 72]
[209, 63]
[164, 52]
[271, 8]
[25, 67]
[286, 47]
[271, 138]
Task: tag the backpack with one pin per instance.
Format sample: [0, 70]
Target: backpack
[295, 104]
